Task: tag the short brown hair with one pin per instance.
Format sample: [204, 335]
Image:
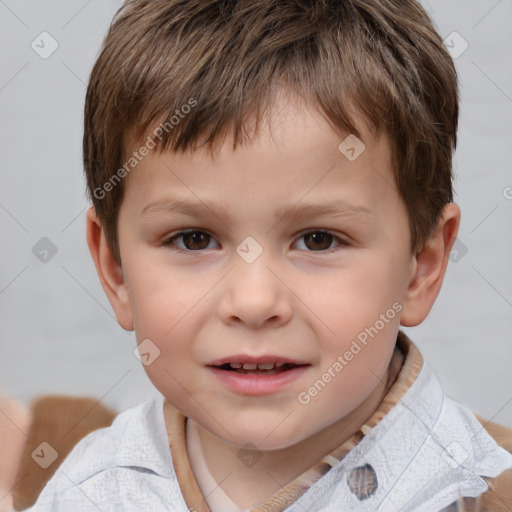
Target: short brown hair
[230, 56]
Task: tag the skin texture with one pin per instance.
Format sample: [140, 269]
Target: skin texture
[295, 300]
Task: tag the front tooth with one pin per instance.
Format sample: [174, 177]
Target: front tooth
[249, 366]
[266, 366]
[278, 365]
[235, 365]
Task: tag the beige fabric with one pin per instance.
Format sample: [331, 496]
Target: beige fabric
[15, 422]
[61, 422]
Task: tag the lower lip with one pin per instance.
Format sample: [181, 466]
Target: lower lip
[252, 384]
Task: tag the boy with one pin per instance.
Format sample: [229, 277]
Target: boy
[225, 144]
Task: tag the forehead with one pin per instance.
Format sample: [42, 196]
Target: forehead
[295, 155]
[287, 114]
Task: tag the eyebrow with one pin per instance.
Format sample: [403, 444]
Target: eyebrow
[338, 208]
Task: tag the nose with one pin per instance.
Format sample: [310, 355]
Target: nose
[254, 295]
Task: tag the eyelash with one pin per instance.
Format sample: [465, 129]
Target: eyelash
[170, 241]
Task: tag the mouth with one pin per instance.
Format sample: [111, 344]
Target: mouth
[257, 375]
[257, 369]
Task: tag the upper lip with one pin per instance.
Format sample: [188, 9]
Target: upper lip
[264, 359]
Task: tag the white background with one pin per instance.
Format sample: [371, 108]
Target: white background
[57, 330]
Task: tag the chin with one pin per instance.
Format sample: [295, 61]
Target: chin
[263, 436]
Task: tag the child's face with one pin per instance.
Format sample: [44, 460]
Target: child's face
[210, 296]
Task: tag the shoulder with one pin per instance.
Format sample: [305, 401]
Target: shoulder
[126, 466]
[501, 434]
[499, 496]
[131, 440]
[448, 450]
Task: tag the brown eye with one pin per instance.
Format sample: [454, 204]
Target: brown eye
[318, 240]
[191, 240]
[196, 240]
[321, 241]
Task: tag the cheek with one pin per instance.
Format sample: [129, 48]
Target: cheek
[360, 315]
[352, 299]
[169, 309]
[167, 315]
[161, 298]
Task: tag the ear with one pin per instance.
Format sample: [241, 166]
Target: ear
[428, 268]
[109, 271]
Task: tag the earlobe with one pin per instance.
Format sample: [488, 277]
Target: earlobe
[428, 268]
[109, 271]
